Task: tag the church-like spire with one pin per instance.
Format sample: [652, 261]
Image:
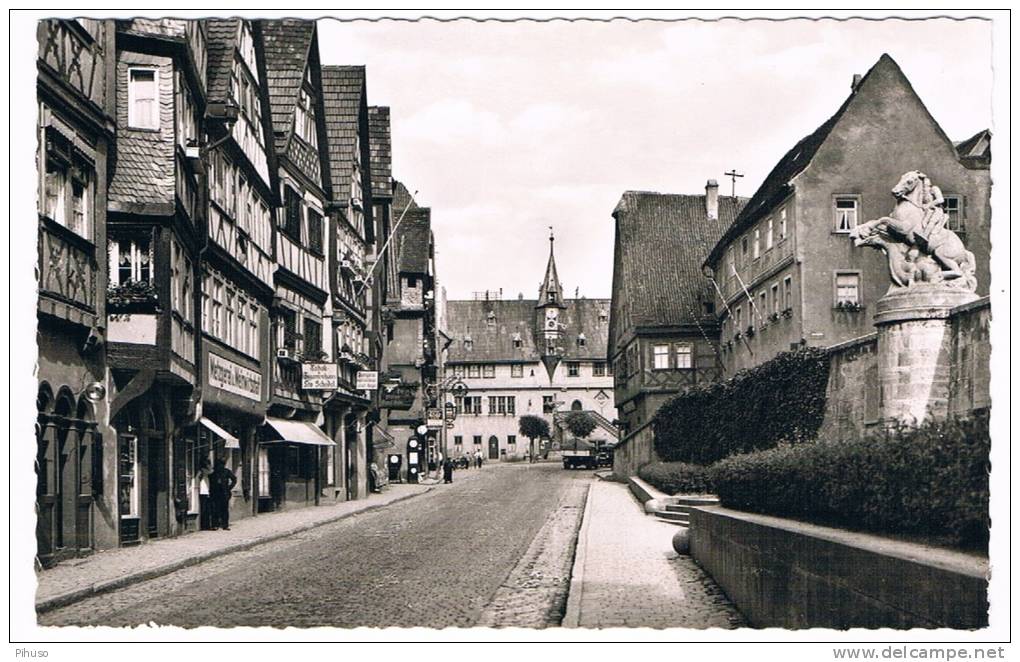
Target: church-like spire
[551, 292]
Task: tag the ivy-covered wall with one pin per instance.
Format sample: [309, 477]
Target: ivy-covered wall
[780, 400]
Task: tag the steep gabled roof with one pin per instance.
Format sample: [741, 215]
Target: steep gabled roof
[777, 184]
[221, 39]
[414, 241]
[662, 240]
[343, 92]
[287, 44]
[401, 199]
[976, 151]
[381, 150]
[551, 291]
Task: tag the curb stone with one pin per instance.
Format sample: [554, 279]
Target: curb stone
[572, 614]
[70, 597]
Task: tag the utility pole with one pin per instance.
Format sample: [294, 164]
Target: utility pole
[733, 175]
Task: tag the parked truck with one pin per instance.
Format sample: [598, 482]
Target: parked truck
[579, 453]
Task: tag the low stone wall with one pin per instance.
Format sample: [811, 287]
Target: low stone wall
[634, 451]
[788, 574]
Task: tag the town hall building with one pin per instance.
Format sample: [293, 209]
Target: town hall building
[526, 356]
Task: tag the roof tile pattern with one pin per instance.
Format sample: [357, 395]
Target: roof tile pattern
[662, 240]
[381, 151]
[287, 42]
[413, 241]
[343, 90]
[495, 340]
[221, 39]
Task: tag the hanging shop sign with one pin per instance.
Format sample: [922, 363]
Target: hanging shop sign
[234, 378]
[434, 418]
[367, 380]
[319, 377]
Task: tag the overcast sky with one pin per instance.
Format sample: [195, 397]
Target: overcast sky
[508, 128]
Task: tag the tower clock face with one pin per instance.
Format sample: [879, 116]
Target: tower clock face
[550, 314]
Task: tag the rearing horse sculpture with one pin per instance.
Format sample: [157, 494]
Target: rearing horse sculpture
[915, 238]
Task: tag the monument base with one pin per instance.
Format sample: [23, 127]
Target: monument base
[913, 351]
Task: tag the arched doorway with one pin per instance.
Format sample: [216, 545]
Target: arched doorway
[65, 438]
[576, 406]
[493, 447]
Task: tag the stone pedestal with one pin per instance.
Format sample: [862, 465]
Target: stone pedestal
[913, 351]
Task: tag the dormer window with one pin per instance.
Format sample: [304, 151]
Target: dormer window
[517, 341]
[468, 343]
[581, 340]
[603, 316]
[490, 319]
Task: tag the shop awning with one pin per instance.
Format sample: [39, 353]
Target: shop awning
[298, 432]
[230, 441]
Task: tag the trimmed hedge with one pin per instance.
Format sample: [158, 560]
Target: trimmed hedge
[677, 477]
[930, 481]
[780, 400]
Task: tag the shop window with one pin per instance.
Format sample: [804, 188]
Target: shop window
[127, 489]
[330, 460]
[263, 471]
[143, 106]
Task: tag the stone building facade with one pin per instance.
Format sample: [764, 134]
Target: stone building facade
[787, 272]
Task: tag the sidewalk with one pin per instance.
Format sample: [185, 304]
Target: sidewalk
[626, 573]
[76, 579]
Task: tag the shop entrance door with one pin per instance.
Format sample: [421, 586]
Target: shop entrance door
[493, 447]
[153, 475]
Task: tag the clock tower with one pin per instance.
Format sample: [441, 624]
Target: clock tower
[548, 326]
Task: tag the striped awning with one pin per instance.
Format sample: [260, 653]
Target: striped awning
[230, 441]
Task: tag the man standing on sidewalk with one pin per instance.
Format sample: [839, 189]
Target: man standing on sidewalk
[221, 482]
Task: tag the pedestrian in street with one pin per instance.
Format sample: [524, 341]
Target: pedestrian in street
[478, 459]
[221, 482]
[205, 507]
[447, 470]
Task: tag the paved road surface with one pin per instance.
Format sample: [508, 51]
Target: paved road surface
[442, 559]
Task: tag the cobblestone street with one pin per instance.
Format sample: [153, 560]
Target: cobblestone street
[437, 560]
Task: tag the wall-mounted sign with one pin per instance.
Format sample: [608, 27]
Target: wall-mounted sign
[367, 380]
[319, 377]
[234, 378]
[434, 418]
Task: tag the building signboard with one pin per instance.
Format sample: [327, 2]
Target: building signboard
[319, 377]
[367, 380]
[234, 378]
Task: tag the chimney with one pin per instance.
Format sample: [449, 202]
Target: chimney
[712, 199]
[856, 83]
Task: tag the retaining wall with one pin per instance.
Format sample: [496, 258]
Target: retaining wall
[788, 574]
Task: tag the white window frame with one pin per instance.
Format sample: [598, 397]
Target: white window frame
[757, 244]
[517, 370]
[660, 356]
[856, 275]
[788, 292]
[838, 213]
[133, 119]
[136, 477]
[488, 371]
[960, 225]
[573, 368]
[782, 224]
[768, 233]
[114, 247]
[684, 349]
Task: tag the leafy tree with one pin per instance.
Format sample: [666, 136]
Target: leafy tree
[533, 427]
[579, 423]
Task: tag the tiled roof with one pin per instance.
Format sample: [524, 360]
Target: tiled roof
[287, 42]
[379, 144]
[401, 198]
[777, 184]
[977, 149]
[662, 241]
[343, 89]
[413, 241]
[516, 319]
[221, 39]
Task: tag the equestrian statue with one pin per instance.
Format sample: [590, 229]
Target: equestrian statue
[920, 248]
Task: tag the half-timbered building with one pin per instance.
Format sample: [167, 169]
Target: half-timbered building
[76, 508]
[154, 234]
[289, 451]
